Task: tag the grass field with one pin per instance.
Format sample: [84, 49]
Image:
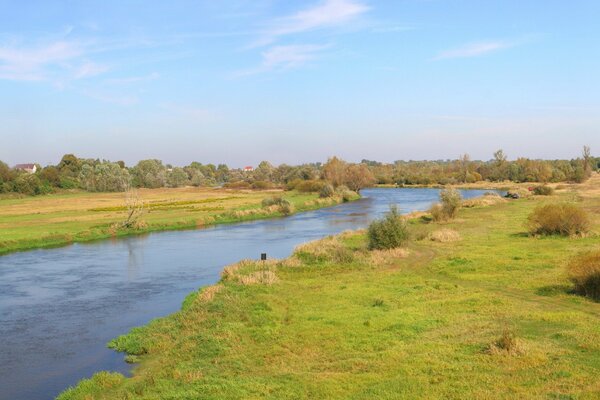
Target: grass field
[55, 220]
[338, 321]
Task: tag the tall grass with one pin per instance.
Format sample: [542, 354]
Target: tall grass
[584, 272]
[565, 219]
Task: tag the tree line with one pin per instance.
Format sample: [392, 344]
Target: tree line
[96, 175]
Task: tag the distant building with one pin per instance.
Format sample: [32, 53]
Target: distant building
[29, 168]
[248, 169]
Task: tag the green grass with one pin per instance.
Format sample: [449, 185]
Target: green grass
[382, 325]
[56, 220]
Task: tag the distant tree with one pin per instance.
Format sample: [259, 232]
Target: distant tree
[69, 166]
[149, 174]
[358, 176]
[222, 174]
[264, 171]
[177, 177]
[334, 171]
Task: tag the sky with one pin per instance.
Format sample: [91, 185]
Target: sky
[240, 81]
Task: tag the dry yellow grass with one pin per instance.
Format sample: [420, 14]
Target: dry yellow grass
[386, 257]
[209, 292]
[488, 199]
[445, 236]
[250, 272]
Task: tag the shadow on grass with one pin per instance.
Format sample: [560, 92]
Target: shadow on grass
[554, 290]
[520, 235]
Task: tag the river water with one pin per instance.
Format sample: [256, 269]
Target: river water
[59, 307]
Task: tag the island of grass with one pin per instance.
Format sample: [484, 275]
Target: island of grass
[470, 308]
[59, 219]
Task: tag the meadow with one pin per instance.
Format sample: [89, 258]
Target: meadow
[430, 320]
[59, 219]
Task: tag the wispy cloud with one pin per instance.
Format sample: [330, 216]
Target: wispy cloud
[279, 58]
[327, 14]
[19, 63]
[133, 79]
[475, 49]
[89, 69]
[121, 100]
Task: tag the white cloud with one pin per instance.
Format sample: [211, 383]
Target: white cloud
[475, 49]
[133, 79]
[89, 69]
[279, 58]
[18, 63]
[328, 14]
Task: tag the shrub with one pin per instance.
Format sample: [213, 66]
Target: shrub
[271, 201]
[436, 211]
[451, 202]
[558, 219]
[389, 232]
[327, 191]
[543, 190]
[262, 185]
[286, 208]
[584, 272]
[309, 186]
[237, 185]
[329, 249]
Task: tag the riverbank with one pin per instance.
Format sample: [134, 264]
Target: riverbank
[61, 219]
[486, 185]
[338, 321]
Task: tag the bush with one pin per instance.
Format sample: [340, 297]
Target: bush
[237, 185]
[584, 272]
[451, 202]
[285, 207]
[327, 191]
[448, 208]
[558, 219]
[437, 213]
[262, 185]
[543, 190]
[389, 232]
[270, 201]
[310, 186]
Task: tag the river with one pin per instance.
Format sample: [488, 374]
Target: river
[59, 307]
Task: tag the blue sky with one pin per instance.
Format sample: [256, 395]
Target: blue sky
[297, 81]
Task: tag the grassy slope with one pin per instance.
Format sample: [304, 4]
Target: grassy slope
[347, 325]
[55, 220]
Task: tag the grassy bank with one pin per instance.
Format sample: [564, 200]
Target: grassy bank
[338, 321]
[55, 220]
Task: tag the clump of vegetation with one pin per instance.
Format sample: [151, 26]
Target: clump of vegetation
[584, 272]
[330, 249]
[451, 201]
[389, 232]
[327, 191]
[565, 219]
[445, 236]
[488, 199]
[283, 205]
[261, 185]
[543, 190]
[507, 344]
[345, 193]
[237, 185]
[250, 272]
[307, 186]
